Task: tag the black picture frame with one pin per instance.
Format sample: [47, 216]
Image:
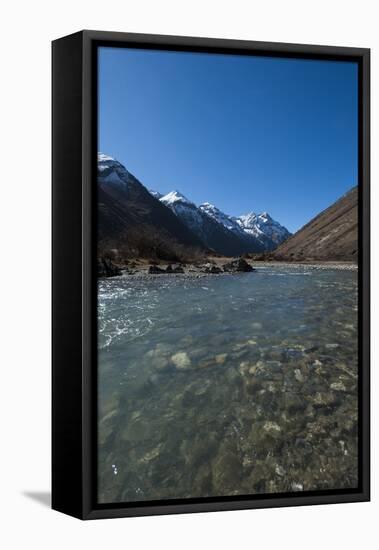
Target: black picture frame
[74, 148]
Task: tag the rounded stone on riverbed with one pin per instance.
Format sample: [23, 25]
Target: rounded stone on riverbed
[298, 375]
[181, 360]
[243, 368]
[324, 398]
[209, 362]
[338, 386]
[279, 470]
[226, 469]
[160, 363]
[160, 350]
[272, 428]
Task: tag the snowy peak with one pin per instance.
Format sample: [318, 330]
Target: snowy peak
[101, 157]
[250, 220]
[112, 172]
[265, 217]
[247, 221]
[213, 212]
[217, 230]
[210, 225]
[210, 209]
[155, 194]
[263, 227]
[260, 227]
[175, 197]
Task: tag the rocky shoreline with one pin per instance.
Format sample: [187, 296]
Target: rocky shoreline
[106, 268]
[213, 266]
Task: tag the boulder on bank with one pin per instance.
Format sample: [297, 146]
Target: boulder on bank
[106, 268]
[214, 269]
[238, 266]
[155, 270]
[174, 269]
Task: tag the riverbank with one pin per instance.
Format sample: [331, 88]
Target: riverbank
[210, 266]
[213, 265]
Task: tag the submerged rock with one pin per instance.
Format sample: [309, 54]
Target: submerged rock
[295, 486]
[181, 360]
[226, 469]
[152, 454]
[253, 386]
[160, 363]
[279, 470]
[338, 386]
[294, 403]
[298, 375]
[272, 428]
[265, 437]
[324, 398]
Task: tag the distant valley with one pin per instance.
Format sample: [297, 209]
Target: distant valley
[134, 222]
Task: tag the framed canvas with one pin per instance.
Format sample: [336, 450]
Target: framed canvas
[210, 275]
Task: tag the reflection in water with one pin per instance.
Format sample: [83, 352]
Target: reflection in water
[227, 385]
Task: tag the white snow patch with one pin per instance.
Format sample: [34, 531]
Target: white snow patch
[101, 157]
[174, 197]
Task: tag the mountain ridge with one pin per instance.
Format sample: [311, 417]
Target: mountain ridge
[131, 213]
[133, 222]
[331, 235]
[257, 232]
[213, 234]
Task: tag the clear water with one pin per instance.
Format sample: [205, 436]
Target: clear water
[227, 385]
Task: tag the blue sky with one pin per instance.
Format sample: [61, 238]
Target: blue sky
[244, 133]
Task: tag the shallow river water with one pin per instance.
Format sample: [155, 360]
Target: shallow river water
[227, 384]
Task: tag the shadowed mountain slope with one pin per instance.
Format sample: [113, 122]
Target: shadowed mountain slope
[210, 231]
[134, 222]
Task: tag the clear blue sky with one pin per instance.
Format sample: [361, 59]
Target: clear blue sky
[244, 133]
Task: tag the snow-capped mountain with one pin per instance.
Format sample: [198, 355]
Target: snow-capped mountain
[156, 194]
[130, 218]
[214, 233]
[183, 208]
[264, 228]
[175, 197]
[186, 210]
[125, 204]
[220, 217]
[110, 171]
[261, 227]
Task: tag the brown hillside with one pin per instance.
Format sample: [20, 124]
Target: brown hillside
[330, 236]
